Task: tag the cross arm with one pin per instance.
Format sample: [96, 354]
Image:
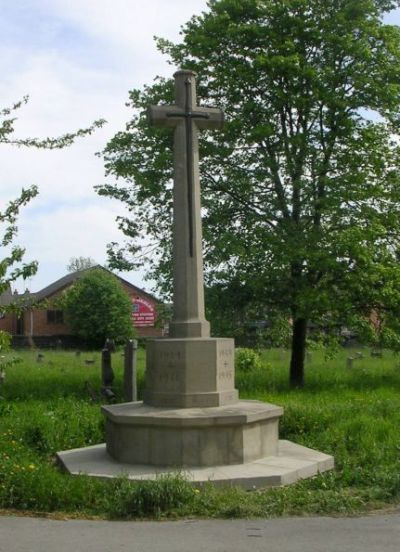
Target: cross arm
[213, 118]
[161, 115]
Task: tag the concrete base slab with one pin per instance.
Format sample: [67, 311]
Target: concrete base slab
[292, 463]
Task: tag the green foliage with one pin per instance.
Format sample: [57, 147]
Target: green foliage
[7, 122]
[151, 498]
[8, 228]
[301, 190]
[97, 308]
[247, 360]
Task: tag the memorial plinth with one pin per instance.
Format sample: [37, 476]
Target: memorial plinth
[190, 372]
[191, 417]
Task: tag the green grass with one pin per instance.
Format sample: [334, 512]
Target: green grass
[352, 414]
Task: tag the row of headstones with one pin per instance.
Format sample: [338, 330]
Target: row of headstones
[359, 355]
[107, 372]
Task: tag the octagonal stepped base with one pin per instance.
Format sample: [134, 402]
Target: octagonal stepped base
[292, 463]
[239, 433]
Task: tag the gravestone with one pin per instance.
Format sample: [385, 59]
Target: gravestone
[107, 373]
[130, 385]
[191, 416]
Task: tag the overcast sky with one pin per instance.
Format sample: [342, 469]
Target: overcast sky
[76, 59]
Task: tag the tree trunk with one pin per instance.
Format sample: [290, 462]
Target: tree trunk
[298, 352]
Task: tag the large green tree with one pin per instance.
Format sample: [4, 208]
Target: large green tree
[301, 191]
[97, 308]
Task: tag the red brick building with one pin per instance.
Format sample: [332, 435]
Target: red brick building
[44, 326]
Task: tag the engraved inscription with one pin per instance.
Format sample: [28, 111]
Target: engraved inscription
[201, 400]
[170, 355]
[225, 375]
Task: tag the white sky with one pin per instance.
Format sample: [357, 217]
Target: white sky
[76, 59]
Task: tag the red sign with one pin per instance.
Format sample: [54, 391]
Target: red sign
[143, 312]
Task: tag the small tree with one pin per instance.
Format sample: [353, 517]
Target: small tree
[80, 263]
[96, 308]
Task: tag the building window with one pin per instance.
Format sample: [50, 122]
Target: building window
[55, 317]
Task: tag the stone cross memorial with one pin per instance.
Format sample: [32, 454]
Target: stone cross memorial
[187, 119]
[191, 416]
[191, 369]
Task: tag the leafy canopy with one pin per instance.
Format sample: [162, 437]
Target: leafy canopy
[97, 307]
[301, 190]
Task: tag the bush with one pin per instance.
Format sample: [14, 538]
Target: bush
[97, 308]
[247, 360]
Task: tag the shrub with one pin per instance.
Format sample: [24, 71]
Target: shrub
[247, 360]
[97, 308]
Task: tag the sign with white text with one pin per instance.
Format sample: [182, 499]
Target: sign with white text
[143, 312]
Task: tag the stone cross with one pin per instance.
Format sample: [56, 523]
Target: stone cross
[187, 119]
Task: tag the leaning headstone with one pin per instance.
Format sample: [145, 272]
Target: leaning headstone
[349, 362]
[130, 385]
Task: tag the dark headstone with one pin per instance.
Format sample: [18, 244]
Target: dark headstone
[110, 345]
[107, 373]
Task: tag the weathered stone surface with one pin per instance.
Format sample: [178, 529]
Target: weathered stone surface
[137, 433]
[187, 119]
[186, 373]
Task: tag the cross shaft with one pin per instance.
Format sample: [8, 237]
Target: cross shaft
[187, 119]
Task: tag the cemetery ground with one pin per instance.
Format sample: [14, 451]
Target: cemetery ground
[351, 413]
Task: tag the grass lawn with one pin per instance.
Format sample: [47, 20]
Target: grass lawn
[353, 414]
